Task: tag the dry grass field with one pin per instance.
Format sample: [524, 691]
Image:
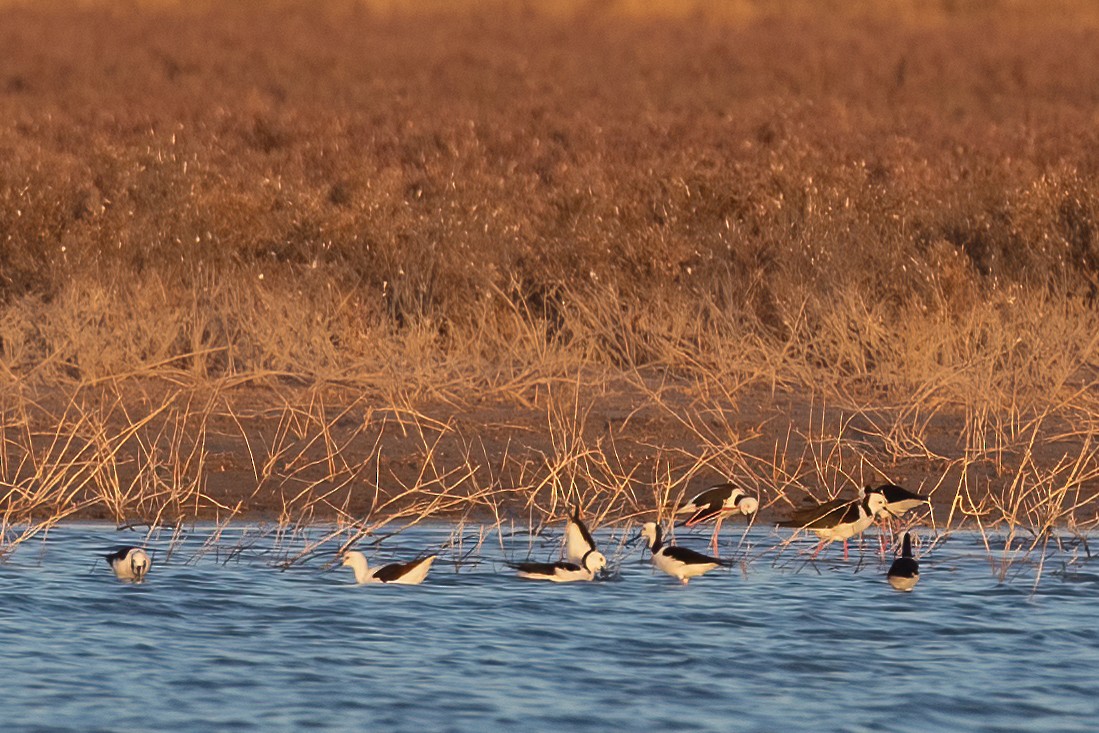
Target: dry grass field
[389, 260]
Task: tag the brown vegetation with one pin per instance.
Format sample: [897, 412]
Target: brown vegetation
[375, 259]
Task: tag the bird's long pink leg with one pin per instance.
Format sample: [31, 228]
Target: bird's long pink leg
[717, 530]
[820, 546]
[845, 550]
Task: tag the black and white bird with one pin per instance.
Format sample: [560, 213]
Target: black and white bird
[578, 540]
[904, 573]
[407, 573]
[681, 563]
[563, 571]
[898, 499]
[129, 563]
[717, 502]
[838, 519]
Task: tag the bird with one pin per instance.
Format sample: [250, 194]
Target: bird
[578, 540]
[407, 573]
[563, 571]
[716, 502]
[129, 563]
[898, 500]
[904, 573]
[681, 563]
[838, 519]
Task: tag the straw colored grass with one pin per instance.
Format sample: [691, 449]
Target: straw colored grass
[373, 263]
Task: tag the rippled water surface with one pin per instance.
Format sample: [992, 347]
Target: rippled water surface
[217, 641]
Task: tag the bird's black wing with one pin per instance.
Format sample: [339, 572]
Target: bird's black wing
[118, 554]
[544, 568]
[690, 557]
[904, 567]
[828, 514]
[716, 494]
[709, 511]
[894, 493]
[394, 571]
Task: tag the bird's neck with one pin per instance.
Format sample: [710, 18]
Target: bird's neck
[362, 574]
[658, 540]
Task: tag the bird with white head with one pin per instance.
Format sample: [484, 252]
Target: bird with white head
[409, 573]
[718, 502]
[129, 563]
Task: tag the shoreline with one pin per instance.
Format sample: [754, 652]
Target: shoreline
[165, 454]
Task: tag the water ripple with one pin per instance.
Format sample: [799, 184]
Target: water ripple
[208, 645]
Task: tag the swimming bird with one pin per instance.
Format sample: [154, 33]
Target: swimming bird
[407, 573]
[681, 563]
[563, 572]
[838, 519]
[578, 540]
[129, 563]
[904, 573]
[715, 503]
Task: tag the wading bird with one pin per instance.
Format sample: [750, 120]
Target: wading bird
[681, 563]
[898, 500]
[715, 503]
[838, 519]
[408, 573]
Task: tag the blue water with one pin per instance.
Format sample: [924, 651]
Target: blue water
[222, 641]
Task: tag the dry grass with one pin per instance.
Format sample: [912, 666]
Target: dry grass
[801, 246]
